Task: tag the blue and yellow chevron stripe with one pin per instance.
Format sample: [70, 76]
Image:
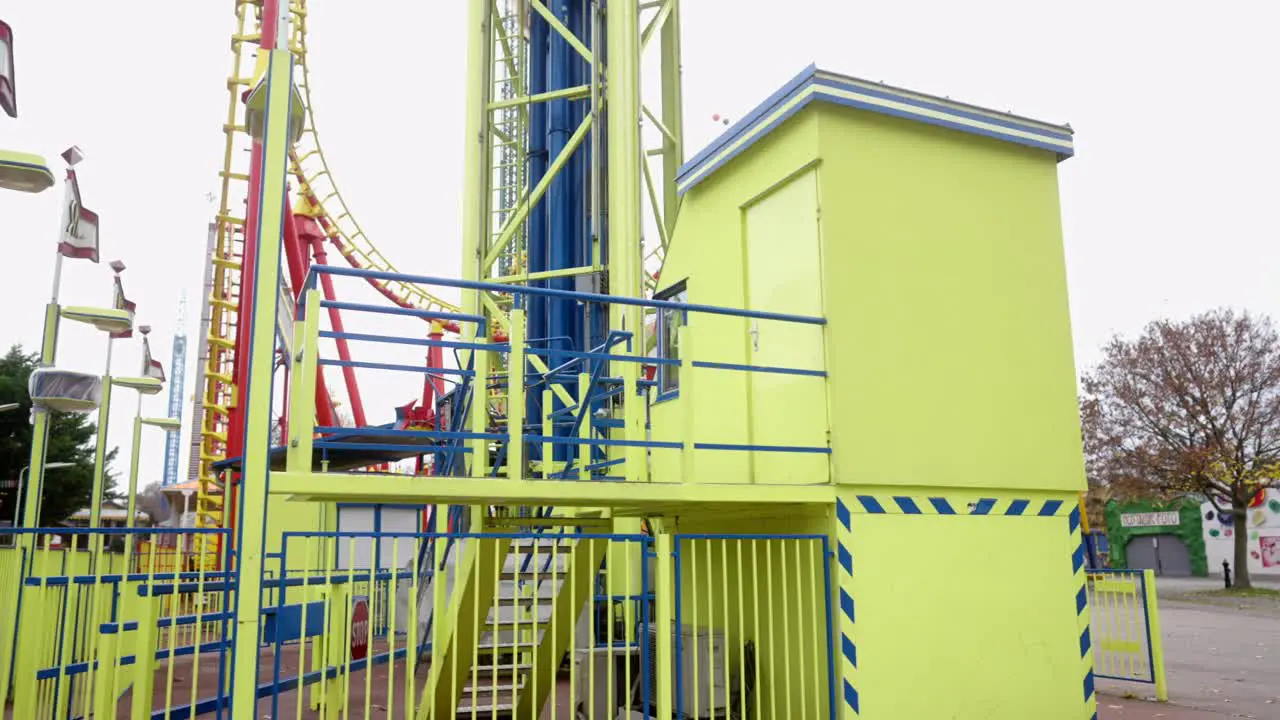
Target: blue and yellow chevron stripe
[937, 505]
[1082, 611]
[849, 650]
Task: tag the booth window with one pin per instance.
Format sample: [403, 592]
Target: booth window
[669, 323]
[392, 525]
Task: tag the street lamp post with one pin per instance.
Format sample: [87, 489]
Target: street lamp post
[22, 477]
[119, 302]
[164, 423]
[24, 172]
[49, 339]
[146, 384]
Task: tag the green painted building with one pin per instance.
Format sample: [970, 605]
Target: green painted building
[1162, 535]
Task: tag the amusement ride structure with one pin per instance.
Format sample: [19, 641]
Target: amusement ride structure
[552, 165]
[178, 360]
[680, 399]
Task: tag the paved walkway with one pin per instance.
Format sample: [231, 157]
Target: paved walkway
[1222, 655]
[1176, 585]
[1115, 708]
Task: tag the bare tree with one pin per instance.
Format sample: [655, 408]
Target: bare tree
[1189, 407]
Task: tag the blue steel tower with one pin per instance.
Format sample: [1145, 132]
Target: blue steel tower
[173, 438]
[559, 149]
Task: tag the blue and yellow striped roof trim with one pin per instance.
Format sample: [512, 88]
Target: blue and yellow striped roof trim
[817, 85]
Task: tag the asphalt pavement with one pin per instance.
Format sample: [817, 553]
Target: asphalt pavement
[1222, 656]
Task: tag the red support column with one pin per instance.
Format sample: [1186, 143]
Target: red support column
[310, 232]
[296, 260]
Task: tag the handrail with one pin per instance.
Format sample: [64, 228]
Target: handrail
[310, 283]
[603, 420]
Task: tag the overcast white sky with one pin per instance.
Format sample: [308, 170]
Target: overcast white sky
[1168, 206]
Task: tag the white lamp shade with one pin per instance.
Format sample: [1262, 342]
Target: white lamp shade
[24, 172]
[64, 390]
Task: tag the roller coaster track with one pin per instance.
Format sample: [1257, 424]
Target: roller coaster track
[319, 197]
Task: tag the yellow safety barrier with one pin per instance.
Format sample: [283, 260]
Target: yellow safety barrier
[110, 625]
[552, 624]
[1125, 629]
[754, 623]
[465, 625]
[542, 622]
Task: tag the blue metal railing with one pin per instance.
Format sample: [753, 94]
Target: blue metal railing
[586, 453]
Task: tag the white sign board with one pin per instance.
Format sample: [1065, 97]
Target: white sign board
[1151, 519]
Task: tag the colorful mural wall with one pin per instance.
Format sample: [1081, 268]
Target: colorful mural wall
[1262, 523]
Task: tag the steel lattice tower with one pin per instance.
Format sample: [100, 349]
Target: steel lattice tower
[173, 438]
[570, 173]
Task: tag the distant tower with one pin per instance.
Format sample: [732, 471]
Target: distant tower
[173, 438]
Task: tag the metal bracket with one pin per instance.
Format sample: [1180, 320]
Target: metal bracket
[593, 282]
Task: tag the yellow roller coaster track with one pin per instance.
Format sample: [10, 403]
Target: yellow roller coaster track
[319, 197]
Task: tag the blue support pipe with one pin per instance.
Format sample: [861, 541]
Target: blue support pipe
[563, 228]
[538, 159]
[560, 247]
[578, 109]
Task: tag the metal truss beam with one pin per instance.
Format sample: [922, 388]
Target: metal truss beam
[561, 493]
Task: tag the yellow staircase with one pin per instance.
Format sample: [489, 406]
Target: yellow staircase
[513, 612]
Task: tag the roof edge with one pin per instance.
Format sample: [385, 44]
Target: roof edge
[815, 84]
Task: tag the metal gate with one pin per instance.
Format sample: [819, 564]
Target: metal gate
[1124, 631]
[753, 627]
[541, 624]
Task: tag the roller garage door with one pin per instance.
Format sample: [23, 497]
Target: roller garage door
[1165, 554]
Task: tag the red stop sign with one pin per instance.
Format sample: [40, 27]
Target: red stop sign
[360, 629]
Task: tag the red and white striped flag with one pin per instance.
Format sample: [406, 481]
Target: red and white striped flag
[123, 303]
[79, 238]
[150, 367]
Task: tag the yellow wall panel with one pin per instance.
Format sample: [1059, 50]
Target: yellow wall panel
[950, 338]
[783, 269]
[965, 617]
[943, 282]
[707, 251]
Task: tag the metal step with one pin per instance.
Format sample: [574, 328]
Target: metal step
[521, 624]
[485, 708]
[539, 599]
[486, 686]
[483, 671]
[490, 646]
[543, 547]
[530, 573]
